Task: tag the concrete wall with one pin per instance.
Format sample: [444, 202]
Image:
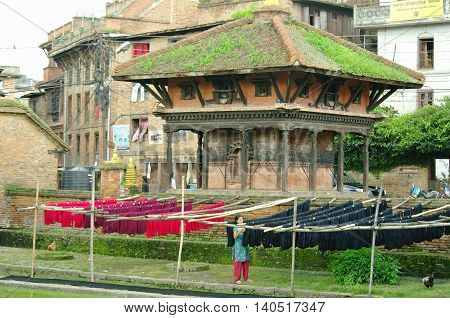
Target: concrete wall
[400, 44]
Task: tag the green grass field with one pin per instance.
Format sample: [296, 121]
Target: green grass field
[13, 292]
[267, 277]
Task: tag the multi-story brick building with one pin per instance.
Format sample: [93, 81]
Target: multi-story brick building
[86, 49]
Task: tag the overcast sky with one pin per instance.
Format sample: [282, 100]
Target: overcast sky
[16, 31]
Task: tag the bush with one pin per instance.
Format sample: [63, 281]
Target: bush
[352, 267]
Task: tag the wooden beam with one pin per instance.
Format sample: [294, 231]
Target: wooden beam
[340, 174]
[366, 164]
[154, 94]
[375, 97]
[197, 91]
[323, 92]
[239, 89]
[284, 160]
[313, 166]
[169, 160]
[205, 159]
[163, 92]
[353, 97]
[382, 99]
[289, 87]
[372, 93]
[275, 87]
[244, 160]
[300, 87]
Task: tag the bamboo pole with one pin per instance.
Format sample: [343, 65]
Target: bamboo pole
[257, 207]
[332, 200]
[92, 226]
[130, 198]
[294, 221]
[432, 211]
[182, 232]
[33, 257]
[374, 236]
[399, 205]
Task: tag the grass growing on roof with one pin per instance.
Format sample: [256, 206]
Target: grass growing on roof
[246, 13]
[352, 61]
[233, 49]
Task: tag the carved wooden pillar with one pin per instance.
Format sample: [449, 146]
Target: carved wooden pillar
[313, 167]
[169, 157]
[244, 160]
[199, 158]
[284, 160]
[205, 160]
[340, 174]
[366, 164]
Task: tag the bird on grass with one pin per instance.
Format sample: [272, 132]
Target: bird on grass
[429, 280]
[52, 246]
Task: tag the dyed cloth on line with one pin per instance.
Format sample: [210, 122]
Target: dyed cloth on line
[166, 227]
[348, 213]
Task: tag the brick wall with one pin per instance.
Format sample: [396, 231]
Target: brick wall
[220, 10]
[25, 158]
[398, 181]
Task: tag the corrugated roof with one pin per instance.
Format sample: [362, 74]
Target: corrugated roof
[256, 45]
[8, 105]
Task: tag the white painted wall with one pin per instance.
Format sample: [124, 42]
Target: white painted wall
[403, 40]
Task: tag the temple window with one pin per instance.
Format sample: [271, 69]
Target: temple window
[263, 88]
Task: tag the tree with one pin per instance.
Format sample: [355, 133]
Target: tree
[413, 138]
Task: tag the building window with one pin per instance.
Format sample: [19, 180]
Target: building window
[78, 107]
[424, 98]
[263, 88]
[223, 91]
[69, 110]
[54, 107]
[78, 73]
[69, 76]
[187, 91]
[86, 149]
[96, 142]
[314, 17]
[426, 53]
[331, 96]
[357, 99]
[78, 145]
[87, 72]
[87, 100]
[140, 48]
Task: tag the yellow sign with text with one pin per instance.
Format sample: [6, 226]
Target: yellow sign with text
[404, 10]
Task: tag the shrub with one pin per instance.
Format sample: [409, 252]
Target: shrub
[352, 267]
